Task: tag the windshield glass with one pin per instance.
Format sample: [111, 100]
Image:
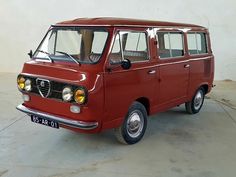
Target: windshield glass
[74, 44]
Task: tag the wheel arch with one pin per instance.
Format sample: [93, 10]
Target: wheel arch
[205, 87]
[145, 102]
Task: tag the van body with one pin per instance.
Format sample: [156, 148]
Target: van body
[93, 74]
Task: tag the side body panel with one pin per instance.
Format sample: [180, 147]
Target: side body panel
[201, 69]
[179, 78]
[173, 76]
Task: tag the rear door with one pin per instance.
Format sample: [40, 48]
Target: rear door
[173, 67]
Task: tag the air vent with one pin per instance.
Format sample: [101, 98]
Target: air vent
[43, 86]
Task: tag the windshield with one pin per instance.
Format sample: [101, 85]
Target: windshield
[74, 44]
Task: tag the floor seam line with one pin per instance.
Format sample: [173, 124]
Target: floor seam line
[75, 169]
[11, 124]
[229, 115]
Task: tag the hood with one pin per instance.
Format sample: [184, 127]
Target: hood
[59, 72]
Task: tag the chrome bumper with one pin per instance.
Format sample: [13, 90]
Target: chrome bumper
[61, 120]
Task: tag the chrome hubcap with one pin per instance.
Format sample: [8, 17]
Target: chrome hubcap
[135, 124]
[198, 99]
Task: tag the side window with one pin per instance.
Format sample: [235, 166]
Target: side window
[170, 44]
[192, 44]
[196, 43]
[134, 47]
[136, 42]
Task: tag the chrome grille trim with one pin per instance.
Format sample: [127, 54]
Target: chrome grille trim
[44, 90]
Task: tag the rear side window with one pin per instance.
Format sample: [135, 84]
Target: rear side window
[197, 43]
[170, 44]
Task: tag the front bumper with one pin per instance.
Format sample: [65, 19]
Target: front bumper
[61, 120]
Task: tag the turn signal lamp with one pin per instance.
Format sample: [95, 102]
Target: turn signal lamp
[80, 96]
[21, 83]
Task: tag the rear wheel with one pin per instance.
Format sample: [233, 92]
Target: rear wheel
[134, 125]
[195, 105]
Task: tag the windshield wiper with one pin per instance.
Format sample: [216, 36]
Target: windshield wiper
[72, 58]
[48, 54]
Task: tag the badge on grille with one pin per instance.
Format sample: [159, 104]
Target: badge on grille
[44, 87]
[42, 84]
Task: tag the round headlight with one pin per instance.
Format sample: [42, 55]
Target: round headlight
[28, 86]
[21, 82]
[67, 94]
[80, 96]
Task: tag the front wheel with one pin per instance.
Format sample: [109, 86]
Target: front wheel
[195, 105]
[134, 125]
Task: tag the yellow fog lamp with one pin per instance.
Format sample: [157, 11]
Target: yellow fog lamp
[21, 82]
[80, 96]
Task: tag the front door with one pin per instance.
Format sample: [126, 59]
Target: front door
[173, 68]
[124, 86]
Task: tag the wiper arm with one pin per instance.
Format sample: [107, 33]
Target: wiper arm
[48, 54]
[72, 58]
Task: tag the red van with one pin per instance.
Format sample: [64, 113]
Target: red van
[93, 74]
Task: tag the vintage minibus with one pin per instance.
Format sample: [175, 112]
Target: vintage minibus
[93, 74]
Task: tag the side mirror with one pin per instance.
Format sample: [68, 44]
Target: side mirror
[30, 54]
[126, 64]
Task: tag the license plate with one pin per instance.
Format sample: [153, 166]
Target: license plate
[43, 121]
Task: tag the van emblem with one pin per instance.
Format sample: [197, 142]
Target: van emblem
[42, 84]
[44, 87]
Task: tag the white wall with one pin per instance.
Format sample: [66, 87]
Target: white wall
[23, 23]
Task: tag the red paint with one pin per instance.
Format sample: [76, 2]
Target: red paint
[110, 93]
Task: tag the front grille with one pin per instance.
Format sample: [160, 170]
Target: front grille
[51, 89]
[44, 87]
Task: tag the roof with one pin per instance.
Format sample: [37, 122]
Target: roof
[111, 21]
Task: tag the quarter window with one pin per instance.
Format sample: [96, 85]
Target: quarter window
[98, 42]
[115, 55]
[196, 43]
[170, 44]
[129, 45]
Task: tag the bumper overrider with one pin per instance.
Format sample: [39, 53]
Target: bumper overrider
[61, 120]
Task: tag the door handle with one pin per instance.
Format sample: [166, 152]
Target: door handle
[187, 66]
[152, 72]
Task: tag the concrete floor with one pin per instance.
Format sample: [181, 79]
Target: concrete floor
[175, 143]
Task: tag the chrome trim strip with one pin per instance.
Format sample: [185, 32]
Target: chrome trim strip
[42, 60]
[203, 58]
[163, 64]
[180, 27]
[172, 63]
[61, 120]
[184, 61]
